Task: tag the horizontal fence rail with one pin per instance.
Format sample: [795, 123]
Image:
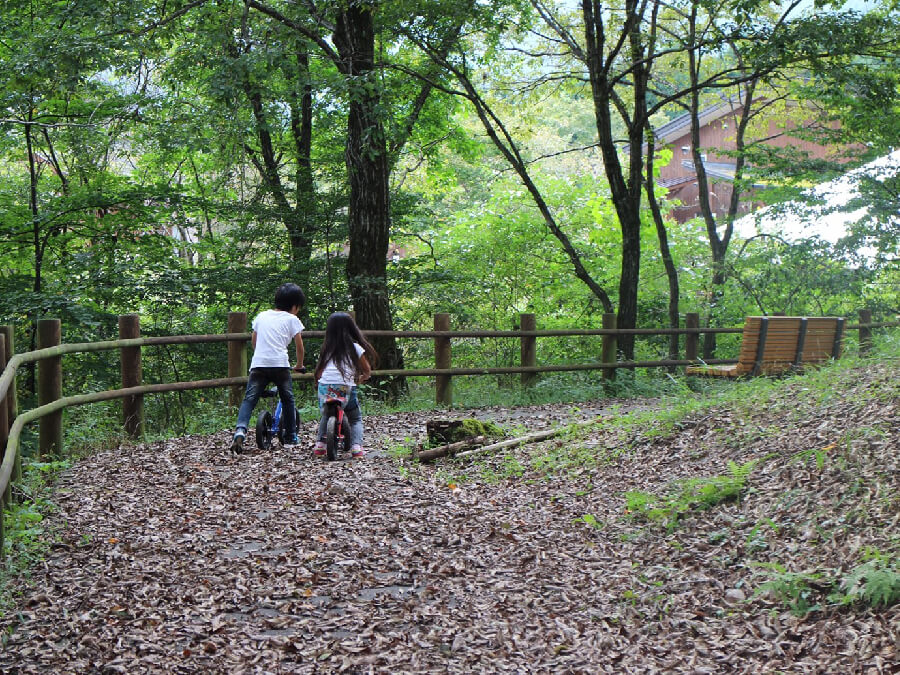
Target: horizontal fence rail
[51, 402]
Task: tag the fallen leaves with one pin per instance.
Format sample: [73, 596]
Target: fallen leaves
[281, 562]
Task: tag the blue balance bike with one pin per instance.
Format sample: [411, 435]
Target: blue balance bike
[269, 422]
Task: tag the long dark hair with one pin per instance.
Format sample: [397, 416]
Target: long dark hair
[341, 332]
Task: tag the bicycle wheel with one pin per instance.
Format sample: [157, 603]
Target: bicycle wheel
[331, 440]
[345, 431]
[282, 437]
[264, 430]
[279, 423]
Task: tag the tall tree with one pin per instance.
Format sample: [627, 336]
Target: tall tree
[64, 117]
[766, 51]
[352, 29]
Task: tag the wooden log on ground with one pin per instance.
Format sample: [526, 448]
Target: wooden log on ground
[528, 438]
[521, 440]
[448, 450]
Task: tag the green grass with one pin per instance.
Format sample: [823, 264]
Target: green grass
[688, 496]
[26, 539]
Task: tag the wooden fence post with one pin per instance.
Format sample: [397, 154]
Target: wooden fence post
[237, 355]
[691, 340]
[608, 353]
[4, 423]
[8, 332]
[528, 347]
[49, 388]
[865, 333]
[443, 384]
[130, 362]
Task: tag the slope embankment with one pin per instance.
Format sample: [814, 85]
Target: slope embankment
[757, 531]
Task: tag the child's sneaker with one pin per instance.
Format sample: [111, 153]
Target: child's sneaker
[237, 444]
[293, 440]
[357, 452]
[319, 450]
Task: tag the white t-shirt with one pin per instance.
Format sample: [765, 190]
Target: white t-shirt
[275, 330]
[332, 375]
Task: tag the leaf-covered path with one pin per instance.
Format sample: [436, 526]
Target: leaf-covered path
[176, 557]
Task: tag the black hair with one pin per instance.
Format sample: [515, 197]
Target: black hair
[341, 332]
[289, 296]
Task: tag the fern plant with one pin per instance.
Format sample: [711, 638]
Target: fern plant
[692, 494]
[800, 591]
[875, 582]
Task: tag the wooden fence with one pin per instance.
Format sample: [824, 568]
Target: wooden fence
[50, 351]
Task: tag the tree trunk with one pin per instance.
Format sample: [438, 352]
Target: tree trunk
[30, 378]
[666, 253]
[718, 244]
[368, 170]
[299, 218]
[625, 191]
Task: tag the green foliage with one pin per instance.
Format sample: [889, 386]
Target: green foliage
[27, 539]
[802, 592]
[689, 495]
[875, 582]
[591, 521]
[510, 468]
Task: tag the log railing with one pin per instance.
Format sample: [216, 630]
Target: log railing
[49, 359]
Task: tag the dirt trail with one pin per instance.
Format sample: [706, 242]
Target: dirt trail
[176, 557]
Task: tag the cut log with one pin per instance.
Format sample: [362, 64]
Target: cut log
[529, 438]
[448, 450]
[521, 440]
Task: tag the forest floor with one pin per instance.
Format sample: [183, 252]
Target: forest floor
[177, 557]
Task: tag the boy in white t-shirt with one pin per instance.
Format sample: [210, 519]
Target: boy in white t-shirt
[273, 331]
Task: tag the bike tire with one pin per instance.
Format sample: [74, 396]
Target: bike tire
[331, 440]
[264, 430]
[281, 426]
[345, 432]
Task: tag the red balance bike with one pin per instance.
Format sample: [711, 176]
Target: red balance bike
[337, 428]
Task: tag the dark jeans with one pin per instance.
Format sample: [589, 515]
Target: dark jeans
[259, 379]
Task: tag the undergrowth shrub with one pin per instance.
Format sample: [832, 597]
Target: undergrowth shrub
[688, 495]
[875, 583]
[26, 540]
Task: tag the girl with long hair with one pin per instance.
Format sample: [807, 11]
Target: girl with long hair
[346, 360]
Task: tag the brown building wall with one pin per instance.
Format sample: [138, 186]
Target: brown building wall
[719, 135]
